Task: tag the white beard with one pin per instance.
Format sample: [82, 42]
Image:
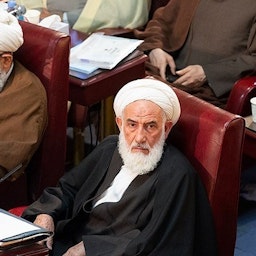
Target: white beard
[3, 78]
[139, 162]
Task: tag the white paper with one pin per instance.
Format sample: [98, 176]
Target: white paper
[77, 64]
[105, 51]
[11, 226]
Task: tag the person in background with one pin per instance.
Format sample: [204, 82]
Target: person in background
[90, 15]
[207, 45]
[23, 102]
[134, 194]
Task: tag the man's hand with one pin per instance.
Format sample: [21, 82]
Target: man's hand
[46, 221]
[192, 76]
[76, 250]
[161, 59]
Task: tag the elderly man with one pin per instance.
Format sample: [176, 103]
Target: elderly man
[23, 104]
[133, 195]
[206, 44]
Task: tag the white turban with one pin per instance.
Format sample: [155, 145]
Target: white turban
[11, 35]
[149, 89]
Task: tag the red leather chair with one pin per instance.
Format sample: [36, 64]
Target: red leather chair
[46, 53]
[212, 139]
[239, 103]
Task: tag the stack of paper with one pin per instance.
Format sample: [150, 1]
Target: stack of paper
[101, 51]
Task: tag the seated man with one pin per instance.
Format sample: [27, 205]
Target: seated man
[23, 102]
[207, 44]
[133, 195]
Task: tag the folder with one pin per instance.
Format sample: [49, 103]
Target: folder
[16, 231]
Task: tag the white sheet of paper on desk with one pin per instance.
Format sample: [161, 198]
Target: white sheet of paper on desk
[77, 64]
[18, 231]
[104, 51]
[11, 226]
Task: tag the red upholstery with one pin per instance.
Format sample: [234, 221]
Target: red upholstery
[18, 210]
[46, 53]
[239, 99]
[212, 140]
[239, 103]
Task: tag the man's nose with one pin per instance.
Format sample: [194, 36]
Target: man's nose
[140, 135]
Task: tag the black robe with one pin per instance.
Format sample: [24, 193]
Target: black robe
[162, 213]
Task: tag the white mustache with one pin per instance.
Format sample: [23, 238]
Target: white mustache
[139, 145]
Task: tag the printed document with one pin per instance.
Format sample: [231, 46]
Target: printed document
[101, 51]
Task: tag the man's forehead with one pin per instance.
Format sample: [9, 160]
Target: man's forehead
[142, 103]
[146, 110]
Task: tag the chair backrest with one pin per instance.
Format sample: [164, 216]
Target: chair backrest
[212, 139]
[45, 52]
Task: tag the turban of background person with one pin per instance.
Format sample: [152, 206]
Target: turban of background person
[11, 35]
[152, 90]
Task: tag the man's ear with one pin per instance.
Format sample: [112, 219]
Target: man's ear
[167, 127]
[7, 61]
[119, 122]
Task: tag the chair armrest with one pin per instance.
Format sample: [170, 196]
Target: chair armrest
[18, 210]
[239, 99]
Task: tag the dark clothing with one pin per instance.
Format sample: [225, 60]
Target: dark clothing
[218, 35]
[165, 212]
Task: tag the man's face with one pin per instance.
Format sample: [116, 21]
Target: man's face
[142, 124]
[143, 130]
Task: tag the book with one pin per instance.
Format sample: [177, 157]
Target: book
[101, 51]
[16, 231]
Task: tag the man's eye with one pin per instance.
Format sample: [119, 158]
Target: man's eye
[151, 126]
[131, 124]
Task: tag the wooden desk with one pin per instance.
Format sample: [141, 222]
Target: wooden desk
[31, 250]
[87, 92]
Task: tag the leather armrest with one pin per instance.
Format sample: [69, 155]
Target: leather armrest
[239, 100]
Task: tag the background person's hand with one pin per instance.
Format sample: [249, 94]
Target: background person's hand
[192, 76]
[161, 59]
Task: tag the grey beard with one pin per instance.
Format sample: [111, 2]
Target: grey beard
[139, 162]
[3, 78]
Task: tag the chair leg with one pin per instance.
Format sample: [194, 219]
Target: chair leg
[79, 117]
[78, 145]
